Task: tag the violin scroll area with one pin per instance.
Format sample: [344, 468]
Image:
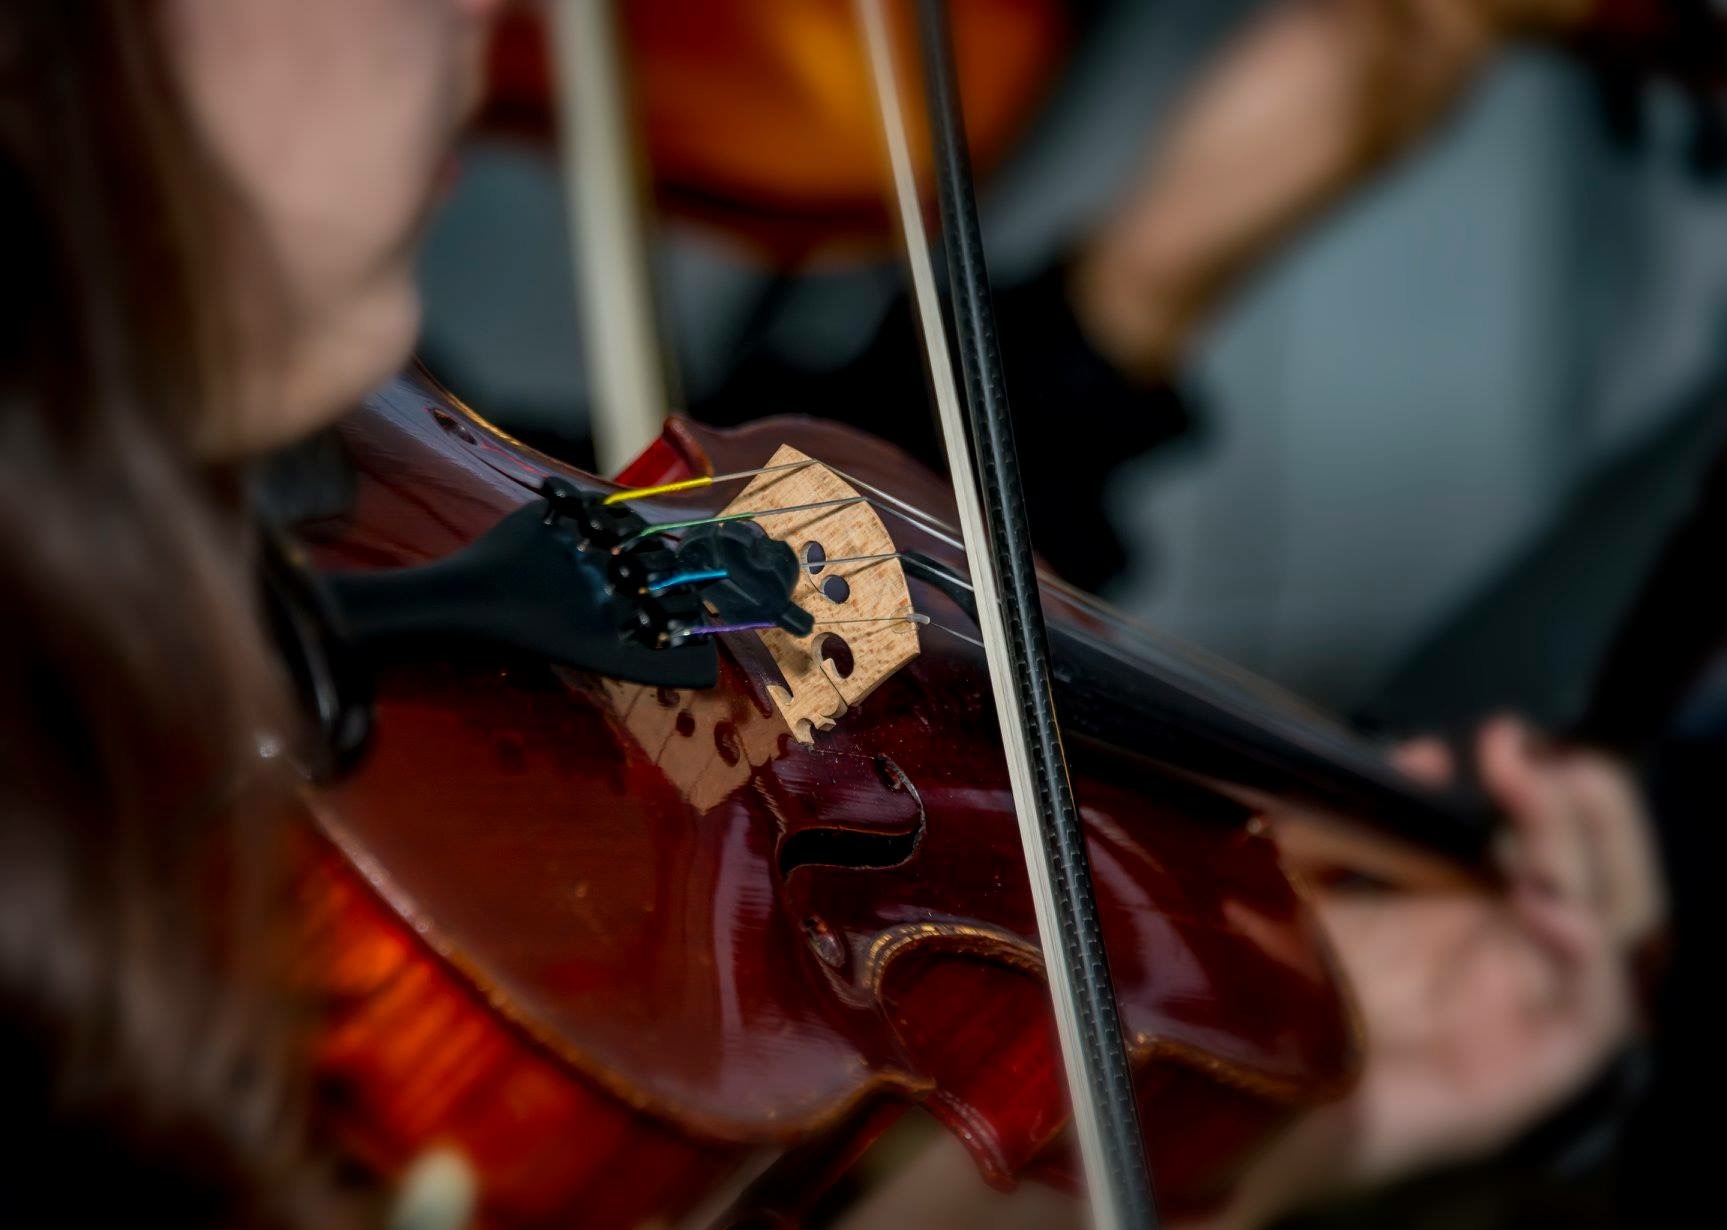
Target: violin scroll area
[850, 580]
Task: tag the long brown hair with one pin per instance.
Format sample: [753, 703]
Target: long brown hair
[145, 1054]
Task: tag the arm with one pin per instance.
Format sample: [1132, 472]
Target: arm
[1312, 100]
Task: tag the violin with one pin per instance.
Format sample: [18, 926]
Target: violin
[610, 941]
[684, 841]
[755, 116]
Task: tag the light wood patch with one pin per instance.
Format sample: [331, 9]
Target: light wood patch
[817, 695]
[706, 743]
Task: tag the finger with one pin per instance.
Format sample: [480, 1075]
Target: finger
[1507, 769]
[1426, 760]
[1564, 930]
[1588, 1011]
[1547, 845]
[1509, 779]
[1620, 841]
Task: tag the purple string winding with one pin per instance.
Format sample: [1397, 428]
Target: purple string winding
[716, 629]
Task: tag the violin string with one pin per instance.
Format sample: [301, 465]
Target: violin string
[819, 565]
[887, 502]
[687, 578]
[883, 500]
[947, 534]
[1175, 653]
[940, 530]
[718, 629]
[665, 527]
[916, 617]
[816, 566]
[699, 482]
[956, 633]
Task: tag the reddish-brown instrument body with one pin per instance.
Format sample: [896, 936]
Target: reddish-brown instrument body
[609, 940]
[758, 115]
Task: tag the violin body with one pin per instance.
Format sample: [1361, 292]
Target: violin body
[757, 116]
[609, 941]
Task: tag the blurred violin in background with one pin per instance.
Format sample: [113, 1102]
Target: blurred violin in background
[756, 115]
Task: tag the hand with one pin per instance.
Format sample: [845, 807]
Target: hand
[1483, 1011]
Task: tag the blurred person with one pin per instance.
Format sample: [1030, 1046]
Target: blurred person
[1308, 104]
[210, 210]
[1311, 102]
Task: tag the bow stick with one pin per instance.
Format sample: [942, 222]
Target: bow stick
[1004, 574]
[608, 239]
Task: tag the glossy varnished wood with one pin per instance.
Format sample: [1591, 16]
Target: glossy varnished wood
[712, 937]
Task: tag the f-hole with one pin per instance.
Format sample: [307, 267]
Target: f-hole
[840, 847]
[847, 848]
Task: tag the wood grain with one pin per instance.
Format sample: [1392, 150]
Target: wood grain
[817, 692]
